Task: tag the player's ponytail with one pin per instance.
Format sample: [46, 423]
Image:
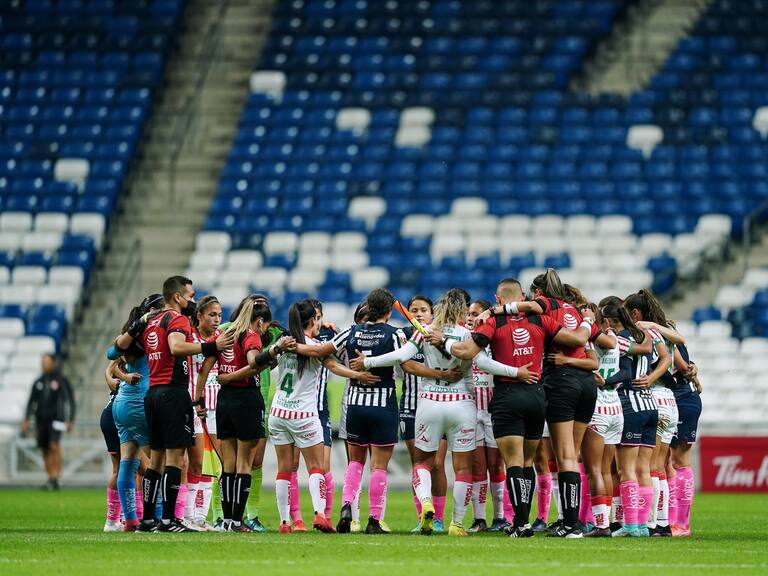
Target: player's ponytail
[649, 307]
[575, 297]
[250, 311]
[621, 315]
[450, 310]
[550, 285]
[300, 314]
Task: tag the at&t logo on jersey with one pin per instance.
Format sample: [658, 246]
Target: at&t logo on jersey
[570, 321]
[521, 336]
[152, 340]
[228, 355]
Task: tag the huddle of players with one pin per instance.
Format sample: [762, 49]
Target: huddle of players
[595, 384]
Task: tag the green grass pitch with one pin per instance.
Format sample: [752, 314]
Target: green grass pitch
[60, 533]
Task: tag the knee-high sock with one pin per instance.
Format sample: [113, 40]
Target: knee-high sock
[570, 496]
[585, 510]
[150, 488]
[646, 503]
[509, 510]
[421, 480]
[479, 496]
[139, 504]
[556, 495]
[216, 499]
[193, 485]
[282, 494]
[630, 502]
[519, 494]
[242, 487]
[377, 492]
[227, 494]
[498, 483]
[295, 498]
[617, 511]
[254, 498]
[416, 501]
[317, 490]
[356, 504]
[181, 501]
[600, 506]
[126, 489]
[113, 505]
[543, 496]
[462, 496]
[330, 488]
[171, 484]
[529, 475]
[352, 479]
[654, 500]
[662, 510]
[686, 488]
[203, 503]
[439, 502]
[672, 481]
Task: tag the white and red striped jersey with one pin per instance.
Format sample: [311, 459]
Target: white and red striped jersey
[441, 390]
[483, 386]
[211, 391]
[296, 394]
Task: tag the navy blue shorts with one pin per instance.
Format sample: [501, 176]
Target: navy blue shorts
[109, 430]
[689, 410]
[407, 425]
[372, 425]
[641, 417]
[325, 422]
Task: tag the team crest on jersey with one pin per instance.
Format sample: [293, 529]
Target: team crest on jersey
[152, 340]
[570, 321]
[228, 355]
[521, 336]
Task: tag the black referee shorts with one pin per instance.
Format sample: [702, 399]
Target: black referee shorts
[170, 417]
[571, 395]
[46, 434]
[240, 413]
[518, 410]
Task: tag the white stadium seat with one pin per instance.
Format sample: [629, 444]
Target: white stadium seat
[230, 295]
[66, 296]
[74, 170]
[13, 403]
[51, 222]
[305, 279]
[417, 116]
[314, 260]
[8, 344]
[25, 362]
[468, 207]
[714, 329]
[730, 297]
[315, 242]
[15, 222]
[11, 327]
[280, 243]
[204, 278]
[582, 225]
[29, 275]
[547, 225]
[446, 245]
[348, 261]
[482, 226]
[270, 279]
[244, 260]
[760, 121]
[25, 295]
[212, 242]
[367, 208]
[36, 345]
[614, 226]
[337, 313]
[585, 244]
[66, 276]
[349, 241]
[369, 278]
[449, 224]
[355, 119]
[717, 225]
[92, 225]
[10, 241]
[206, 260]
[654, 244]
[417, 225]
[268, 82]
[754, 347]
[756, 278]
[619, 243]
[5, 275]
[644, 137]
[236, 277]
[515, 226]
[412, 136]
[481, 246]
[41, 242]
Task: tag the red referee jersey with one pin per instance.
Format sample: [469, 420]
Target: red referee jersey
[233, 359]
[164, 368]
[516, 340]
[567, 316]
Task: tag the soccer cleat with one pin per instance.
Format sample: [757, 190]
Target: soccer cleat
[564, 531]
[147, 526]
[625, 532]
[662, 532]
[354, 527]
[573, 533]
[498, 525]
[174, 525]
[239, 527]
[556, 525]
[113, 526]
[598, 533]
[520, 532]
[478, 525]
[614, 526]
[374, 527]
[427, 517]
[284, 528]
[299, 526]
[680, 531]
[255, 525]
[218, 524]
[322, 524]
[385, 526]
[192, 525]
[416, 529]
[539, 526]
[456, 529]
[437, 526]
[345, 519]
[642, 532]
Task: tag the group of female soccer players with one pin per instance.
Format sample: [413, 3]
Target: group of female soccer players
[596, 404]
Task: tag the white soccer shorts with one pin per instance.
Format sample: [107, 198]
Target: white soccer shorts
[455, 420]
[668, 414]
[303, 432]
[484, 430]
[608, 421]
[210, 419]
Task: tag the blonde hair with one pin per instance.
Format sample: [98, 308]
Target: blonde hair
[451, 308]
[250, 311]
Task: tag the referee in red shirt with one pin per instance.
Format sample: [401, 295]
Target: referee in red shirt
[518, 407]
[166, 338]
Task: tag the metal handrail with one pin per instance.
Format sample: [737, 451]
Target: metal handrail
[746, 239]
[184, 124]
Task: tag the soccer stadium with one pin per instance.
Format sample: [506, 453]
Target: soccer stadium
[384, 286]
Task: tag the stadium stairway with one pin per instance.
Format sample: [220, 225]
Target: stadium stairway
[638, 49]
[199, 109]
